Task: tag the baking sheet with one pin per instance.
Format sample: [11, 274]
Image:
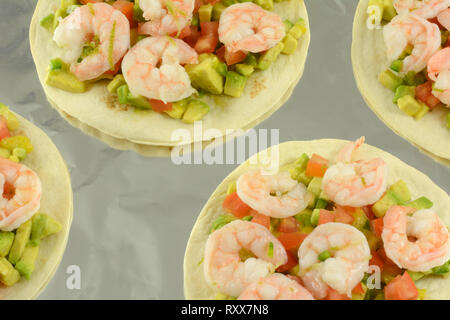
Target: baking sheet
[133, 215]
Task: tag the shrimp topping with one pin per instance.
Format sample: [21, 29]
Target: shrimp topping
[277, 196]
[410, 29]
[21, 194]
[152, 68]
[165, 16]
[439, 71]
[223, 266]
[416, 242]
[423, 8]
[95, 37]
[349, 256]
[248, 27]
[275, 287]
[357, 183]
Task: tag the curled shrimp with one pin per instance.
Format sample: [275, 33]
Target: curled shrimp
[439, 71]
[344, 269]
[444, 18]
[410, 29]
[275, 287]
[152, 68]
[21, 194]
[248, 27]
[357, 183]
[165, 16]
[277, 195]
[423, 8]
[223, 267]
[99, 24]
[430, 247]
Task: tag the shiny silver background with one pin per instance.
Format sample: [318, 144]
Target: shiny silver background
[133, 215]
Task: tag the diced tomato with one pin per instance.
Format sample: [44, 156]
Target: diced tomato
[291, 262]
[316, 166]
[325, 216]
[206, 44]
[377, 226]
[343, 214]
[291, 240]
[221, 53]
[358, 289]
[424, 94]
[185, 32]
[376, 260]
[193, 36]
[126, 8]
[334, 295]
[90, 1]
[288, 225]
[391, 269]
[212, 1]
[261, 219]
[401, 287]
[159, 106]
[236, 206]
[369, 213]
[209, 27]
[4, 131]
[234, 57]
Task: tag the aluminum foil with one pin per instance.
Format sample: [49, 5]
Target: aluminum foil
[133, 215]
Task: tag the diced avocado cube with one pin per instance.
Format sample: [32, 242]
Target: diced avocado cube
[217, 10]
[359, 219]
[321, 203]
[8, 275]
[178, 109]
[265, 4]
[444, 37]
[420, 203]
[315, 217]
[18, 141]
[298, 29]
[244, 69]
[43, 226]
[221, 221]
[234, 84]
[25, 265]
[287, 25]
[409, 105]
[390, 80]
[47, 22]
[11, 119]
[229, 2]
[379, 4]
[139, 101]
[422, 112]
[401, 191]
[448, 120]
[195, 111]
[303, 178]
[122, 94]
[414, 79]
[205, 13]
[444, 269]
[195, 22]
[57, 64]
[20, 241]
[61, 12]
[251, 60]
[65, 80]
[315, 186]
[5, 153]
[204, 76]
[298, 167]
[118, 81]
[397, 65]
[268, 57]
[408, 50]
[304, 217]
[290, 44]
[138, 14]
[373, 241]
[20, 153]
[403, 90]
[382, 206]
[389, 11]
[6, 241]
[416, 275]
[231, 187]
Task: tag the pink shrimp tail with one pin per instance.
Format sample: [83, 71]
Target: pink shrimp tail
[346, 153]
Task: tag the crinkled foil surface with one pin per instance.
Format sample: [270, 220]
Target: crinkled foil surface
[133, 215]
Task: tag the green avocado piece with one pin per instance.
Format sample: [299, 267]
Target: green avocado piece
[234, 84]
[8, 275]
[290, 44]
[298, 166]
[389, 11]
[403, 90]
[421, 203]
[217, 11]
[401, 191]
[268, 57]
[5, 153]
[65, 80]
[25, 265]
[416, 275]
[138, 101]
[43, 226]
[422, 112]
[359, 219]
[388, 200]
[414, 79]
[205, 13]
[265, 4]
[373, 241]
[11, 119]
[315, 217]
[304, 217]
[389, 80]
[397, 65]
[221, 221]
[287, 25]
[47, 22]
[244, 69]
[61, 12]
[321, 203]
[115, 83]
[6, 241]
[122, 94]
[178, 109]
[315, 186]
[196, 110]
[205, 76]
[441, 270]
[298, 29]
[447, 118]
[409, 105]
[20, 241]
[138, 14]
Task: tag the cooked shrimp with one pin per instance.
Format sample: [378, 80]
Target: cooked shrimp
[344, 269]
[166, 16]
[152, 68]
[99, 25]
[444, 18]
[21, 194]
[423, 8]
[223, 267]
[410, 29]
[357, 183]
[439, 71]
[275, 287]
[430, 247]
[248, 27]
[277, 195]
